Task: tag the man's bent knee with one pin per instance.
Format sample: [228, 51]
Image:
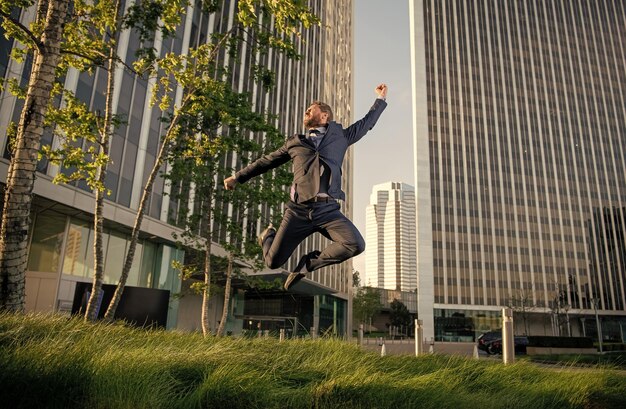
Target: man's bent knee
[357, 248]
[273, 262]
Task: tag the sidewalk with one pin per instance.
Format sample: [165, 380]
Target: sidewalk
[407, 347]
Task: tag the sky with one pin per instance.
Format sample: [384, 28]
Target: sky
[381, 54]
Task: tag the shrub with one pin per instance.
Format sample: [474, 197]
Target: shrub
[613, 347]
[560, 342]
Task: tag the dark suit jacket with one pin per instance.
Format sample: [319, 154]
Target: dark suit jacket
[306, 157]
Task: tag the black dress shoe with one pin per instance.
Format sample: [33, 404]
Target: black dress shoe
[297, 275]
[269, 230]
[293, 278]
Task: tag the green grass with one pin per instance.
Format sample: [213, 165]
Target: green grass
[56, 362]
[610, 360]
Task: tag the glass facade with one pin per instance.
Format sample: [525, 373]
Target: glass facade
[152, 267]
[332, 313]
[78, 260]
[78, 256]
[297, 314]
[526, 105]
[323, 73]
[453, 325]
[46, 242]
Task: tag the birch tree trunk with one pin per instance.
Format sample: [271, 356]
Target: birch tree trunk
[105, 136]
[21, 178]
[132, 246]
[206, 293]
[229, 275]
[98, 276]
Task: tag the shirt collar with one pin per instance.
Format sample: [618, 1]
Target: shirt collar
[321, 130]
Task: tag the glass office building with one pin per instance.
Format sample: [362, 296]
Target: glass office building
[61, 235]
[519, 122]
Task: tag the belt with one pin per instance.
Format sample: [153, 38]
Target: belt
[322, 199]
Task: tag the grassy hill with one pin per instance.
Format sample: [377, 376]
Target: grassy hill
[57, 362]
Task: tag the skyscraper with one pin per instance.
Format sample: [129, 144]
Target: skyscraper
[60, 254]
[519, 124]
[390, 259]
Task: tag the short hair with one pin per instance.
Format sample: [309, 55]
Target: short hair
[324, 108]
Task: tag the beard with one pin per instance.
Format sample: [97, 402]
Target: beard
[312, 122]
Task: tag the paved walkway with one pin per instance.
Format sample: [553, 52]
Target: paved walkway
[407, 347]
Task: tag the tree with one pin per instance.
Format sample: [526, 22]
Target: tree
[189, 73]
[109, 27]
[522, 303]
[365, 304]
[278, 19]
[560, 307]
[85, 39]
[44, 39]
[356, 279]
[224, 121]
[194, 168]
[92, 33]
[399, 315]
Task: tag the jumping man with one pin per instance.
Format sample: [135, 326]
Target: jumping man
[316, 190]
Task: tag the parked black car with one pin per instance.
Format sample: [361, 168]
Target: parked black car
[485, 339]
[495, 346]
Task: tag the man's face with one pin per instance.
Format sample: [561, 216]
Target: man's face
[314, 117]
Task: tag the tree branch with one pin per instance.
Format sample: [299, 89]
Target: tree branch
[24, 29]
[218, 46]
[100, 63]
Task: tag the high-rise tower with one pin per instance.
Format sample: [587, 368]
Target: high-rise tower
[519, 125]
[390, 259]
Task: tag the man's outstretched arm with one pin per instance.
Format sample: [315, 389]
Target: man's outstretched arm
[358, 129]
[259, 166]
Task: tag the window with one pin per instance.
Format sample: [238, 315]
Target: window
[45, 249]
[114, 261]
[78, 260]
